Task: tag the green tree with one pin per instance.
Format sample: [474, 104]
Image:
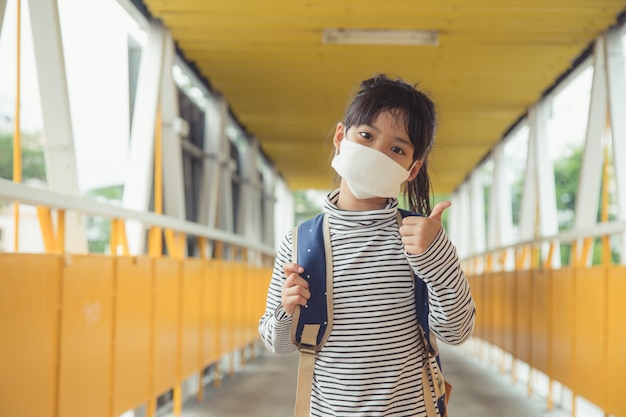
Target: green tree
[307, 204]
[33, 166]
[566, 174]
[99, 228]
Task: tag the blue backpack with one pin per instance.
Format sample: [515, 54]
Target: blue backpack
[312, 324]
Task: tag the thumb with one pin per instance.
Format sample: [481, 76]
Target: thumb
[438, 210]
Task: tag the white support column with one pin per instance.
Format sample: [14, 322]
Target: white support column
[244, 194]
[528, 209]
[548, 222]
[500, 208]
[173, 179]
[587, 203]
[454, 229]
[249, 221]
[257, 193]
[492, 213]
[463, 217]
[216, 190]
[269, 205]
[225, 201]
[61, 171]
[214, 131]
[284, 219]
[617, 107]
[140, 168]
[477, 213]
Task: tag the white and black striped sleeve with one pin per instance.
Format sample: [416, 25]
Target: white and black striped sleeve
[275, 323]
[452, 309]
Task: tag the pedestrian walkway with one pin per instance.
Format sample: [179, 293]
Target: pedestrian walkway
[266, 388]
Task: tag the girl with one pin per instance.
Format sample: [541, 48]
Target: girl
[371, 363]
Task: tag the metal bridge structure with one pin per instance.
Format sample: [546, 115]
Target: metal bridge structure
[173, 135]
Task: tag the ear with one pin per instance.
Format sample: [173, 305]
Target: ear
[339, 135]
[415, 170]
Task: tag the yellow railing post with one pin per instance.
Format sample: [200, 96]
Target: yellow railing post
[61, 231]
[44, 214]
[155, 250]
[219, 254]
[231, 318]
[17, 142]
[202, 254]
[547, 265]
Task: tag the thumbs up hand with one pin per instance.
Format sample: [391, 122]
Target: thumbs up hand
[418, 232]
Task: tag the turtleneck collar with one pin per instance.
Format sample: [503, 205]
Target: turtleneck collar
[363, 218]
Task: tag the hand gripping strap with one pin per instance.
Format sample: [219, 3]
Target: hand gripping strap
[312, 250]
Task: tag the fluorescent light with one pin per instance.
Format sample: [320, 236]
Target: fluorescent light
[380, 37]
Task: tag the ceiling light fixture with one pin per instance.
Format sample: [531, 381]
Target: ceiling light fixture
[381, 37]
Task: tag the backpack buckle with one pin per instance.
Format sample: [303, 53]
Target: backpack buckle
[306, 348]
[308, 339]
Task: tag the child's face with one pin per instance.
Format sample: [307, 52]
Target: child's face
[387, 134]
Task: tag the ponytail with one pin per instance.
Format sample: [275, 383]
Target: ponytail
[417, 192]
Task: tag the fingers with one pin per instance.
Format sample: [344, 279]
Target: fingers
[292, 268]
[438, 210]
[295, 289]
[418, 232]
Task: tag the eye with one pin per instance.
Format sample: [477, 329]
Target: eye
[397, 150]
[366, 135]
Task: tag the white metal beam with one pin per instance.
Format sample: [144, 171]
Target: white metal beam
[269, 204]
[454, 229]
[215, 117]
[587, 201]
[477, 213]
[228, 167]
[528, 209]
[216, 201]
[284, 218]
[60, 157]
[546, 193]
[616, 80]
[34, 196]
[588, 195]
[463, 218]
[256, 192]
[249, 210]
[500, 208]
[209, 183]
[492, 216]
[173, 179]
[140, 168]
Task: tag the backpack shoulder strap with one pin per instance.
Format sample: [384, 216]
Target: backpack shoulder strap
[429, 341]
[312, 250]
[421, 291]
[311, 325]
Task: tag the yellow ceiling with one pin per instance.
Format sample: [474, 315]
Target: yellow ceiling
[289, 89]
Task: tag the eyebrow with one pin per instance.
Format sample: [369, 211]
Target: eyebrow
[397, 138]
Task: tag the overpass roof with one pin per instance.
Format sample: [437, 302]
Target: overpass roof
[288, 87]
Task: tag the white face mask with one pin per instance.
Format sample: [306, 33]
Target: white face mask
[368, 172]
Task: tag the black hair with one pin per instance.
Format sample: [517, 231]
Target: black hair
[410, 106]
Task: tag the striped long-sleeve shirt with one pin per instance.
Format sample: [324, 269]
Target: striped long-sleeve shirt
[372, 362]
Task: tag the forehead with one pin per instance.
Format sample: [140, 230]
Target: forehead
[395, 120]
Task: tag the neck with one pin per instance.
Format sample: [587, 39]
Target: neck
[347, 201]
